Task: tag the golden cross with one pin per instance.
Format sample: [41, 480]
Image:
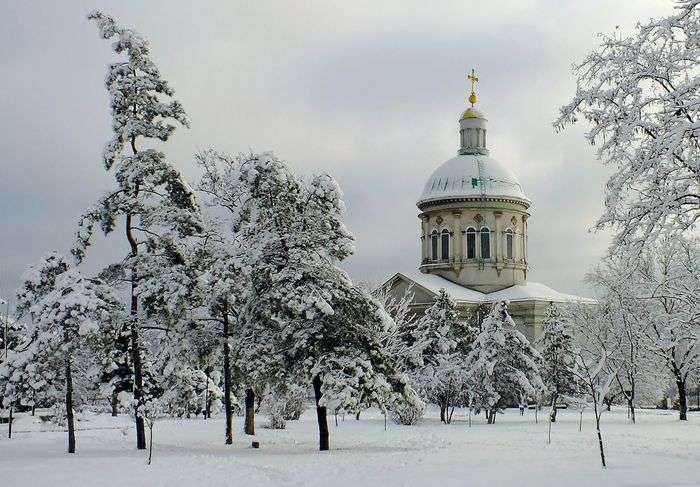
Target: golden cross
[472, 77]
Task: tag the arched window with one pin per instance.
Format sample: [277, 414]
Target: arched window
[509, 244]
[471, 243]
[434, 245]
[485, 243]
[445, 244]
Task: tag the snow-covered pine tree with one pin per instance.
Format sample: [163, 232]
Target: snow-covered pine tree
[188, 363]
[303, 320]
[557, 352]
[226, 267]
[64, 308]
[447, 338]
[12, 332]
[640, 92]
[222, 284]
[502, 364]
[157, 207]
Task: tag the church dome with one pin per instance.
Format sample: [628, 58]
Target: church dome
[472, 176]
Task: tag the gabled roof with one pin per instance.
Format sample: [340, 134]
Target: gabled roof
[433, 283]
[529, 291]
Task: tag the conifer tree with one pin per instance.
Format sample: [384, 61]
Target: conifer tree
[303, 321]
[65, 310]
[557, 358]
[150, 197]
[502, 364]
[447, 339]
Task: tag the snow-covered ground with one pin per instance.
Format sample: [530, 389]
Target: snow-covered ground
[659, 450]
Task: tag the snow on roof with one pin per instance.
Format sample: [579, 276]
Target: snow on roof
[533, 291]
[434, 283]
[529, 291]
[470, 175]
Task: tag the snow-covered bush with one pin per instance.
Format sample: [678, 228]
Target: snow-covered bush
[407, 413]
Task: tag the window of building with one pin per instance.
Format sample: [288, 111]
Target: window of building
[509, 244]
[434, 245]
[445, 244]
[485, 243]
[471, 243]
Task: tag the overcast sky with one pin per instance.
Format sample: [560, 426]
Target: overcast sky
[368, 91]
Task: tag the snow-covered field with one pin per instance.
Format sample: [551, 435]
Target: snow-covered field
[657, 451]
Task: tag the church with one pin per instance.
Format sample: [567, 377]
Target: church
[474, 237]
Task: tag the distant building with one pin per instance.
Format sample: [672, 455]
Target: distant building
[474, 238]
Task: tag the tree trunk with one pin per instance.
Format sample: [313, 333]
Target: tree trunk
[249, 411]
[552, 418]
[227, 381]
[553, 410]
[580, 420]
[114, 403]
[150, 441]
[597, 429]
[138, 378]
[682, 398]
[135, 345]
[323, 442]
[9, 423]
[442, 413]
[633, 416]
[357, 416]
[69, 407]
[207, 413]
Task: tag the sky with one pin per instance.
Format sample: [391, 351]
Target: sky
[367, 91]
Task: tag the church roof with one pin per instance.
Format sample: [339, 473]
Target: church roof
[472, 175]
[529, 291]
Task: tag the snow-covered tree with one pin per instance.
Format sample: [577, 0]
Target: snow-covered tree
[404, 341]
[188, 369]
[502, 364]
[301, 320]
[640, 93]
[597, 357]
[64, 308]
[557, 352]
[618, 278]
[223, 282]
[401, 338]
[670, 286]
[230, 255]
[446, 339]
[150, 197]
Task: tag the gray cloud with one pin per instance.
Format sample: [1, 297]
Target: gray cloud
[367, 91]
